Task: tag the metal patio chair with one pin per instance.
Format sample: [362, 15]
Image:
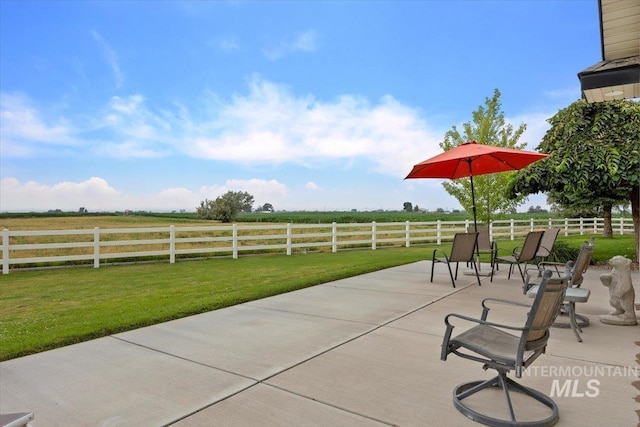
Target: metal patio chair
[506, 348]
[546, 244]
[462, 250]
[522, 255]
[486, 245]
[575, 293]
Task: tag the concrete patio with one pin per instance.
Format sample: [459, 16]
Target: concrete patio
[363, 351]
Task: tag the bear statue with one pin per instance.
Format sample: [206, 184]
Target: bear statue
[621, 292]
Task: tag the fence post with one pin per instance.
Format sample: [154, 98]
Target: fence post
[439, 232]
[581, 226]
[235, 241]
[172, 244]
[96, 247]
[5, 251]
[374, 236]
[407, 234]
[288, 238]
[532, 224]
[621, 226]
[595, 225]
[513, 229]
[334, 237]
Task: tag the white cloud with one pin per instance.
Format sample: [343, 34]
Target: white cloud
[92, 194]
[24, 130]
[263, 191]
[269, 124]
[133, 130]
[128, 149]
[536, 121]
[112, 59]
[311, 186]
[565, 96]
[537, 126]
[304, 42]
[96, 194]
[228, 44]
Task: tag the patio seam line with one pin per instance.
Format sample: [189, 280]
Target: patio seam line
[586, 360]
[379, 290]
[183, 358]
[215, 402]
[281, 310]
[331, 405]
[263, 381]
[381, 325]
[374, 328]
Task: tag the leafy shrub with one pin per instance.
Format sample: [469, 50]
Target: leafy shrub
[564, 251]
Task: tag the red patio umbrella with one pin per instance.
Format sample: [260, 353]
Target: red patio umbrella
[469, 159]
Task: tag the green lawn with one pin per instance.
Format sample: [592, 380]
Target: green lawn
[45, 309]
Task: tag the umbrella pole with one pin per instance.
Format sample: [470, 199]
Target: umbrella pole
[475, 222]
[473, 208]
[473, 202]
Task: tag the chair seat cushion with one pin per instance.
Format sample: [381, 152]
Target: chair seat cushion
[490, 342]
[572, 294]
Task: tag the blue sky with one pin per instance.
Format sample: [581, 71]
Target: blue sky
[114, 105]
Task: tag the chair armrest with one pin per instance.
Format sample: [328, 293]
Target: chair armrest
[543, 264]
[486, 308]
[505, 301]
[498, 250]
[446, 349]
[514, 252]
[545, 248]
[529, 279]
[536, 269]
[482, 322]
[435, 251]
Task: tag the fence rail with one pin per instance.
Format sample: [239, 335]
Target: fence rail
[22, 249]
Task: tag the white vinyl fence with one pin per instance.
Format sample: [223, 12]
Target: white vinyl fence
[25, 249]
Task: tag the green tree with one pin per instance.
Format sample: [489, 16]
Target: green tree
[488, 126]
[594, 161]
[408, 207]
[226, 207]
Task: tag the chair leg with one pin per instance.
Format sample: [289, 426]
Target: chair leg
[468, 389]
[572, 320]
[475, 267]
[521, 272]
[576, 321]
[453, 282]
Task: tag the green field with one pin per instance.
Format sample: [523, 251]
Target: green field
[298, 217]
